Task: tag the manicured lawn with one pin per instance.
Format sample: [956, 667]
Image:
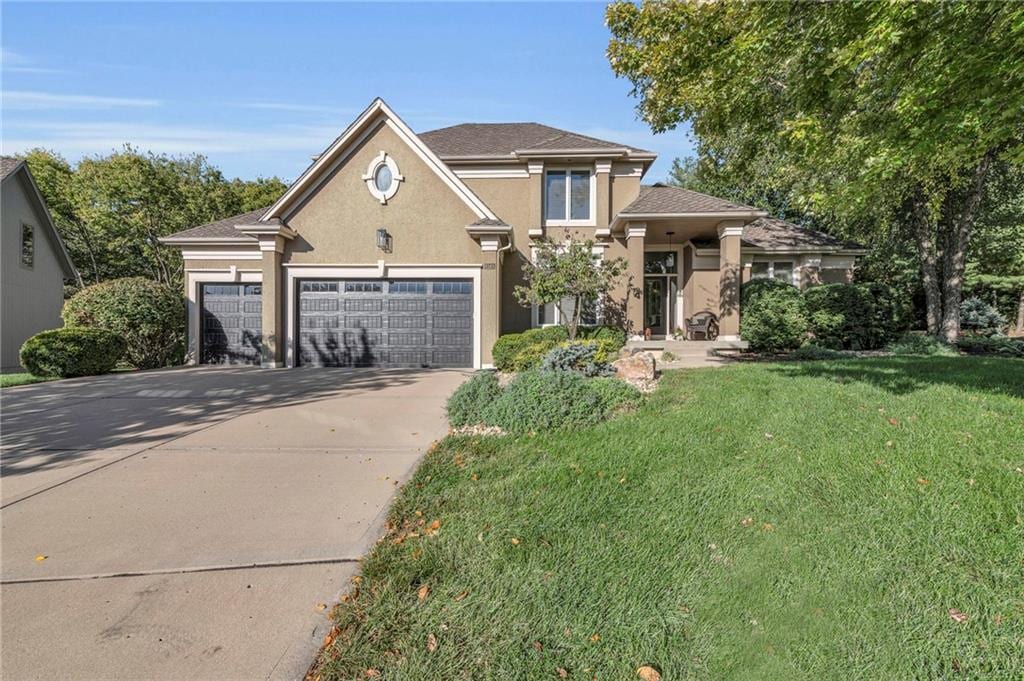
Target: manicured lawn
[10, 380]
[819, 520]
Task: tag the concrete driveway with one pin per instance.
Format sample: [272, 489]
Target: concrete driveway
[195, 521]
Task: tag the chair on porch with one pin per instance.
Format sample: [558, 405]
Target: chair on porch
[704, 323]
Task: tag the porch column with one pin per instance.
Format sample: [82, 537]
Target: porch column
[602, 174]
[536, 224]
[635, 235]
[272, 333]
[729, 268]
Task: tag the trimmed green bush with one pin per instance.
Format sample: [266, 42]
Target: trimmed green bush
[72, 351]
[921, 344]
[991, 345]
[465, 406]
[543, 400]
[838, 315]
[755, 287]
[524, 351]
[774, 319]
[978, 316]
[150, 317]
[891, 316]
[585, 357]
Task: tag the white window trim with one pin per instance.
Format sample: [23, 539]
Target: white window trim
[294, 272]
[589, 222]
[382, 159]
[771, 270]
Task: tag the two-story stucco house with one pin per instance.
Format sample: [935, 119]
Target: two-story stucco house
[402, 249]
[34, 263]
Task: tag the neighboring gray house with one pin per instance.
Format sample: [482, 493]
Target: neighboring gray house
[34, 263]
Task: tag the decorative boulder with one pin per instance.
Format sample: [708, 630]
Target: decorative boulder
[639, 366]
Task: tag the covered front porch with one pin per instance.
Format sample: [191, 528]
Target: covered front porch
[680, 267]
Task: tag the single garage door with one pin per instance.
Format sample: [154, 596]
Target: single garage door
[386, 323]
[232, 321]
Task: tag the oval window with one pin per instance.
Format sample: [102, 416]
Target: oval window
[382, 178]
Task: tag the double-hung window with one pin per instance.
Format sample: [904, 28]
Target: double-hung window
[568, 197]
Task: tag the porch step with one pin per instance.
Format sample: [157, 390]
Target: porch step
[681, 348]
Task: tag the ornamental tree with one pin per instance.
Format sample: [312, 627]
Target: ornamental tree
[866, 110]
[568, 275]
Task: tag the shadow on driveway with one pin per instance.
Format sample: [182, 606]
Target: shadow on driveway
[53, 424]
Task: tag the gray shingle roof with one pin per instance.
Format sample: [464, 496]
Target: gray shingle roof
[7, 165]
[659, 198]
[773, 234]
[502, 139]
[221, 229]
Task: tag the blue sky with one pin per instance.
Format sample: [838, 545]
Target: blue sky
[259, 88]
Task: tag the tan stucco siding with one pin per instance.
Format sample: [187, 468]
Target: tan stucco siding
[337, 223]
[32, 297]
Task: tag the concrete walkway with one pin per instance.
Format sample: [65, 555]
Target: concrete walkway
[194, 522]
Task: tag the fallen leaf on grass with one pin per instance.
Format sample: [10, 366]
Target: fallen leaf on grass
[515, 542]
[436, 525]
[474, 477]
[461, 595]
[957, 616]
[769, 436]
[923, 481]
[431, 643]
[894, 422]
[595, 638]
[423, 592]
[562, 674]
[768, 527]
[747, 522]
[648, 673]
[371, 674]
[538, 646]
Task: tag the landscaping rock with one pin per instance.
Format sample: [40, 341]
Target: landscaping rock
[639, 366]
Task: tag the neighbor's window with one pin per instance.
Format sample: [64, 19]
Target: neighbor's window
[567, 196]
[28, 245]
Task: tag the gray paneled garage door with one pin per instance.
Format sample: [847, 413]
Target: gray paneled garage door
[388, 323]
[232, 321]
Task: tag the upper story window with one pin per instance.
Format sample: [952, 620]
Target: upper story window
[568, 196]
[382, 177]
[28, 245]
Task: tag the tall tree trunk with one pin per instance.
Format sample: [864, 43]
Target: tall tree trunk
[955, 251]
[926, 250]
[1020, 314]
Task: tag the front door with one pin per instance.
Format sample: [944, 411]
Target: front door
[655, 305]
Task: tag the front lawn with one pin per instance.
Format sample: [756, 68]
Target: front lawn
[851, 519]
[11, 380]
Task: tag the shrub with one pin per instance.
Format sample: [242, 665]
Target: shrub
[150, 317]
[613, 336]
[891, 316]
[532, 344]
[465, 406]
[756, 287]
[774, 320]
[72, 351]
[580, 356]
[920, 344]
[811, 351]
[542, 400]
[979, 317]
[838, 315]
[991, 345]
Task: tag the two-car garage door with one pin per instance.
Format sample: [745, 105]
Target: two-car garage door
[388, 323]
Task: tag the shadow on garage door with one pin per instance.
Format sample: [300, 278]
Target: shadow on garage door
[420, 323]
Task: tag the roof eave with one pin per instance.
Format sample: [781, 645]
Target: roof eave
[721, 215]
[208, 241]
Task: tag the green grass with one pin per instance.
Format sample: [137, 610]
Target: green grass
[880, 492]
[11, 380]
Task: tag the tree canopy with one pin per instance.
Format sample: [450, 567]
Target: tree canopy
[872, 111]
[110, 210]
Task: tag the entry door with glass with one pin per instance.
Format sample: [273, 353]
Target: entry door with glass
[660, 286]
